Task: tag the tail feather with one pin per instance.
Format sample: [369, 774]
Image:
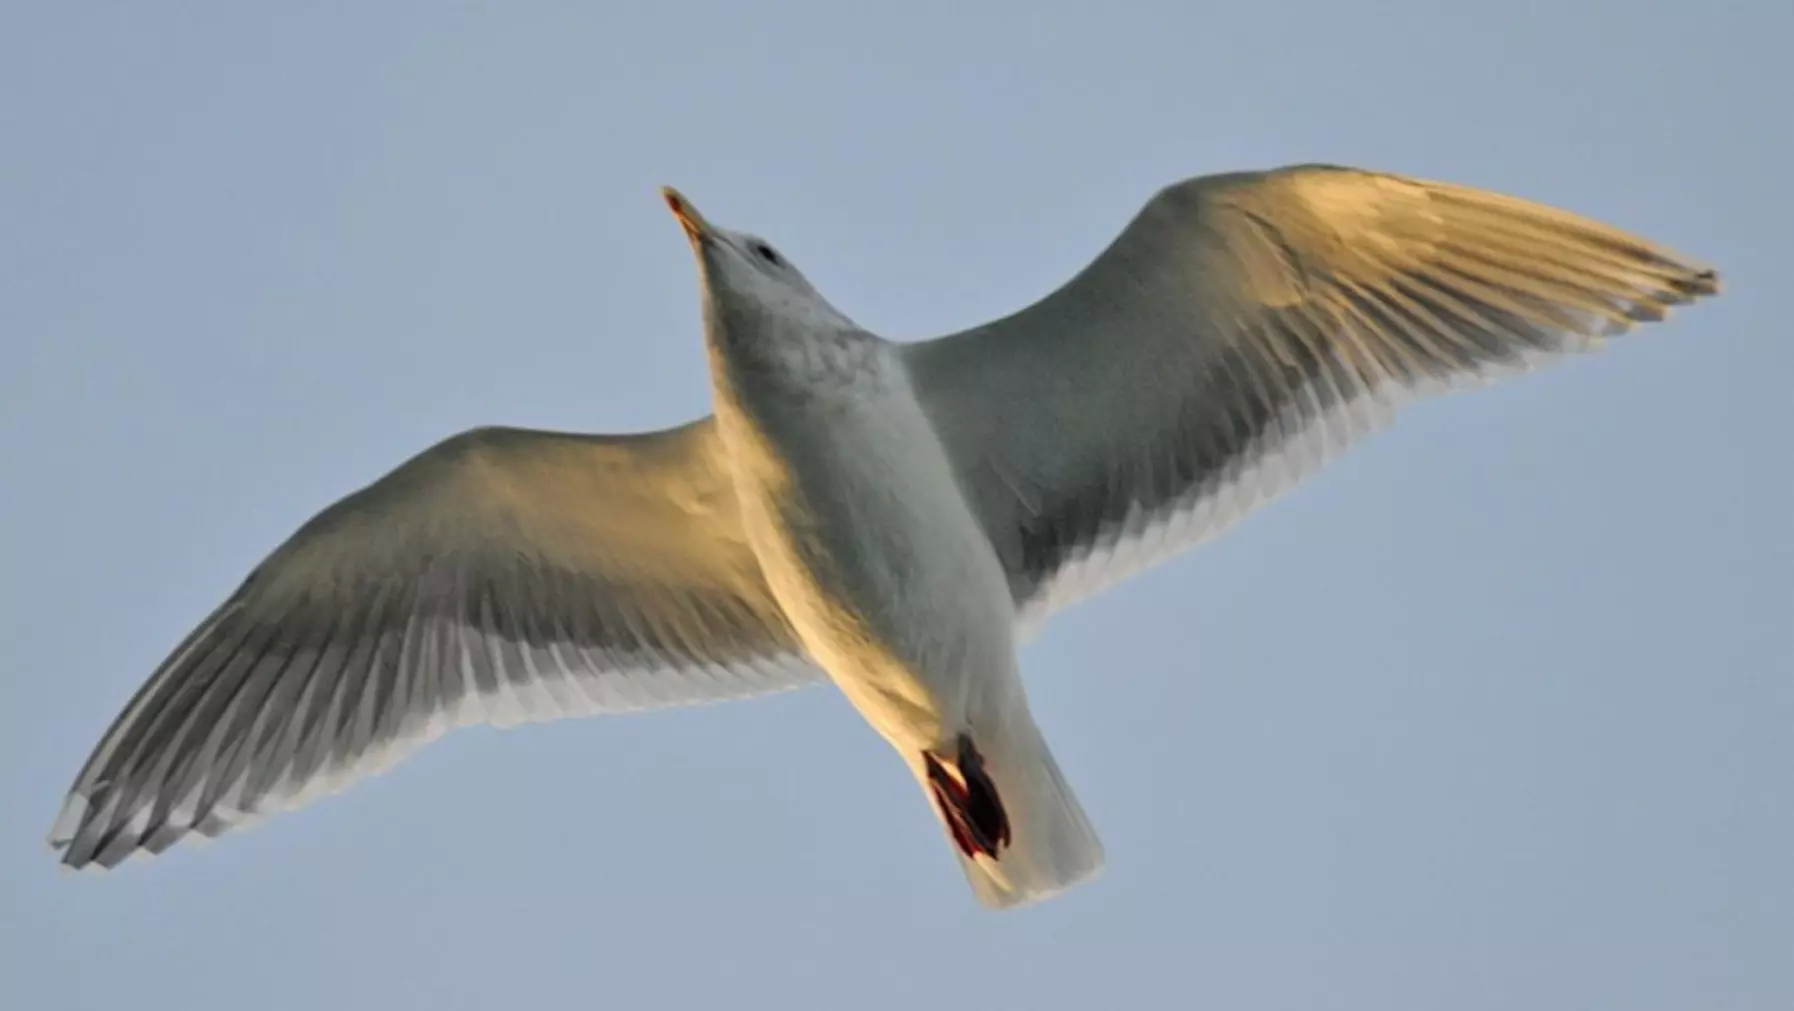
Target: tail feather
[1018, 830]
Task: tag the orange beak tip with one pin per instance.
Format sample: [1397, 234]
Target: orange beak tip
[682, 209]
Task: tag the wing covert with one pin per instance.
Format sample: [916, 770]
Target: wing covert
[502, 575]
[1242, 330]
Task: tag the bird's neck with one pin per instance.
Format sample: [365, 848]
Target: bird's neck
[778, 388]
[767, 364]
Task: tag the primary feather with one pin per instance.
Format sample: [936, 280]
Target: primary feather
[503, 575]
[1241, 331]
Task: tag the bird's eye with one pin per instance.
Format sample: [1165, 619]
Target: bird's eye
[765, 252]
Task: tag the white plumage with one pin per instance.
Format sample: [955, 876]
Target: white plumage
[894, 517]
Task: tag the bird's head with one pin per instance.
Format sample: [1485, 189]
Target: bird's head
[749, 286]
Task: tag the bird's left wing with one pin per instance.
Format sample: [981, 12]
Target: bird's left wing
[1242, 329]
[501, 575]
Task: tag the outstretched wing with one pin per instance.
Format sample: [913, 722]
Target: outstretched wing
[1240, 331]
[502, 575]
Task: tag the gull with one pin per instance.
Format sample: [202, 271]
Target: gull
[894, 517]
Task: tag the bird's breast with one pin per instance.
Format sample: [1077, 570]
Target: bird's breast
[869, 546]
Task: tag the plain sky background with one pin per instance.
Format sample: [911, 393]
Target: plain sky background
[1495, 713]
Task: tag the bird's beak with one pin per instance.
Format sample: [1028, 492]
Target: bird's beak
[696, 228]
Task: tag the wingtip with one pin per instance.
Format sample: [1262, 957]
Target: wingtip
[1702, 283]
[68, 821]
[85, 843]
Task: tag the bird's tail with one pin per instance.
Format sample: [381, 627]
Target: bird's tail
[1017, 828]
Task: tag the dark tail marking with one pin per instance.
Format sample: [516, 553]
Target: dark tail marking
[969, 804]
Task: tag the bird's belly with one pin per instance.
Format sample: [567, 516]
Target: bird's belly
[887, 577]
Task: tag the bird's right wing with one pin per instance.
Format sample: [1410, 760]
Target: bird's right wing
[502, 575]
[1241, 330]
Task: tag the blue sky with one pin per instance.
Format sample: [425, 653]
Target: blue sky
[1494, 713]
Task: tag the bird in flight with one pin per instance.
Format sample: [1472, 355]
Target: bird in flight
[893, 517]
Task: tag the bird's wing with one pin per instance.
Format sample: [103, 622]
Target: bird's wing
[500, 576]
[1242, 329]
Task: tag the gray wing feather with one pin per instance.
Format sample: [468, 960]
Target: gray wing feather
[503, 575]
[1242, 330]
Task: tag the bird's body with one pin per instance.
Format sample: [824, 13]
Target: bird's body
[869, 546]
[893, 517]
